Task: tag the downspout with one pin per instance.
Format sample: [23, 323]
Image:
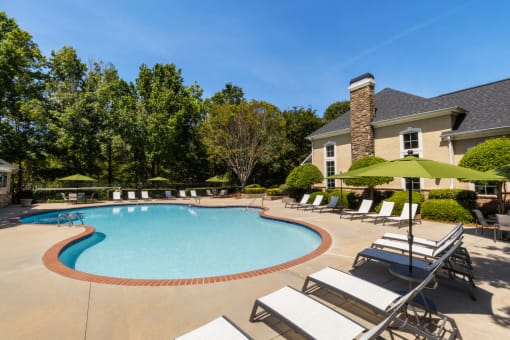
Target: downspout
[450, 154]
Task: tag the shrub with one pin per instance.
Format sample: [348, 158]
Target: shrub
[284, 188]
[254, 189]
[273, 192]
[304, 176]
[401, 197]
[446, 210]
[346, 200]
[325, 197]
[466, 198]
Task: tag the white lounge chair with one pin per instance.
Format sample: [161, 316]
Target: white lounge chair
[386, 209]
[169, 196]
[116, 196]
[316, 320]
[425, 251]
[404, 215]
[182, 195]
[316, 202]
[64, 197]
[304, 200]
[194, 195]
[72, 197]
[145, 195]
[131, 195]
[218, 329]
[424, 241]
[364, 208]
[330, 206]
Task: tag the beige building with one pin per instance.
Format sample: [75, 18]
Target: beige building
[6, 171]
[391, 123]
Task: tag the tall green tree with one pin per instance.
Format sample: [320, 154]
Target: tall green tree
[230, 94]
[22, 119]
[242, 135]
[336, 109]
[369, 182]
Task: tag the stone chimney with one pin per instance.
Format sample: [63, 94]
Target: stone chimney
[362, 112]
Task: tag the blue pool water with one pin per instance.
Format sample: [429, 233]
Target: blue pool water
[177, 241]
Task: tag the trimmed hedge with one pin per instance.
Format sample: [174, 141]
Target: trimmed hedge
[345, 200]
[254, 189]
[273, 192]
[466, 198]
[446, 210]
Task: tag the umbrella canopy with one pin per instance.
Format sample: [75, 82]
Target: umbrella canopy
[501, 171]
[413, 167]
[218, 179]
[158, 179]
[77, 178]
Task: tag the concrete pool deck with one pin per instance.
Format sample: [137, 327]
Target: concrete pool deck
[37, 303]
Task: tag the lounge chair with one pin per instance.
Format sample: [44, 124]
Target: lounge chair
[404, 215]
[145, 195]
[330, 206]
[222, 193]
[72, 197]
[483, 223]
[218, 329]
[316, 202]
[386, 209]
[364, 208]
[425, 251]
[503, 224]
[169, 196]
[194, 195]
[116, 196]
[131, 195]
[304, 200]
[316, 320]
[182, 195]
[208, 192]
[64, 197]
[424, 241]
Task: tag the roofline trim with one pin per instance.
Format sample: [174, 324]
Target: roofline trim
[418, 116]
[477, 133]
[329, 134]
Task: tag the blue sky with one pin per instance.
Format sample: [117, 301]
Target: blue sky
[289, 53]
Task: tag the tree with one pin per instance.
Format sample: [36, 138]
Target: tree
[22, 118]
[242, 135]
[231, 94]
[304, 176]
[369, 182]
[492, 154]
[336, 109]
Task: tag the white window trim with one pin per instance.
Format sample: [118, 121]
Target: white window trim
[329, 159]
[417, 151]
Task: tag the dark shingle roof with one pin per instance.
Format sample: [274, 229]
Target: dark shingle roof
[487, 107]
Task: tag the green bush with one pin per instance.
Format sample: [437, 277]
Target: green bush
[445, 210]
[284, 189]
[325, 197]
[273, 192]
[254, 189]
[401, 197]
[466, 198]
[304, 176]
[346, 200]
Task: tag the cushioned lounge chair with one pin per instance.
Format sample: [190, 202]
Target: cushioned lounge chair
[131, 195]
[316, 202]
[404, 215]
[316, 320]
[364, 208]
[145, 195]
[330, 206]
[218, 329]
[304, 200]
[424, 241]
[116, 196]
[386, 209]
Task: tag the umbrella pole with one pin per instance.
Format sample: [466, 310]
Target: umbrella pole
[410, 231]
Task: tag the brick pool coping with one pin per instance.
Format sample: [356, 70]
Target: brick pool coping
[52, 262]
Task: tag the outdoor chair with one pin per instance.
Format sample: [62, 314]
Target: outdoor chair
[220, 328]
[364, 208]
[503, 224]
[304, 200]
[194, 195]
[145, 195]
[424, 241]
[208, 192]
[72, 197]
[330, 206]
[386, 209]
[222, 193]
[117, 195]
[404, 215]
[483, 223]
[131, 195]
[316, 202]
[64, 197]
[169, 196]
[182, 195]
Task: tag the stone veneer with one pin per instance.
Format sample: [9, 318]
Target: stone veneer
[362, 101]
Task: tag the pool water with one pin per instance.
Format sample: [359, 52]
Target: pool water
[166, 241]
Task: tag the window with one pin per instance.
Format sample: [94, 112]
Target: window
[410, 140]
[3, 179]
[485, 189]
[411, 143]
[329, 165]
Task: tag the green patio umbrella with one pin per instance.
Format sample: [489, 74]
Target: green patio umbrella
[413, 167]
[341, 176]
[158, 179]
[218, 179]
[77, 178]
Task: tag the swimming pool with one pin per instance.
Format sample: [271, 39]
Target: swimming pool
[172, 241]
